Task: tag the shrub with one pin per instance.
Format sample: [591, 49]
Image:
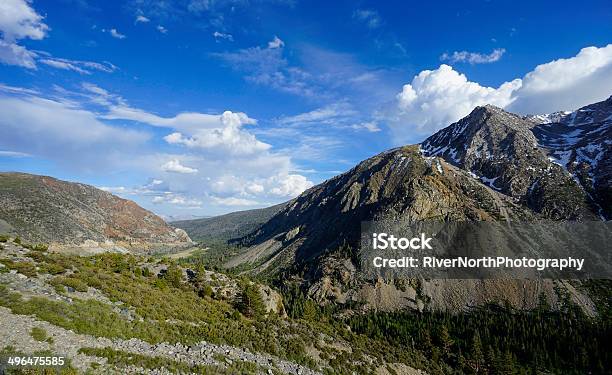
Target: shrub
[71, 282]
[4, 238]
[24, 268]
[174, 276]
[39, 334]
[51, 268]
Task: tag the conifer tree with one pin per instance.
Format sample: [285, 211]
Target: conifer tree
[250, 303]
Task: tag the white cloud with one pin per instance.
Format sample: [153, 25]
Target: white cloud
[439, 97]
[63, 132]
[223, 132]
[370, 126]
[474, 57]
[436, 98]
[276, 43]
[566, 84]
[175, 166]
[116, 34]
[370, 17]
[233, 201]
[213, 156]
[19, 21]
[177, 200]
[13, 154]
[142, 19]
[82, 67]
[162, 29]
[331, 113]
[268, 67]
[289, 185]
[218, 36]
[14, 54]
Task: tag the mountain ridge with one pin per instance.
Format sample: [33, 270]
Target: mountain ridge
[488, 166]
[78, 217]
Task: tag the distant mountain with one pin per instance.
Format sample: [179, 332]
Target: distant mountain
[79, 217]
[491, 165]
[226, 227]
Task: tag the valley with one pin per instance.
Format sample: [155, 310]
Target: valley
[279, 290]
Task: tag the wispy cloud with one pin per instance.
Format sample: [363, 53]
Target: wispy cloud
[276, 43]
[82, 67]
[473, 57]
[142, 19]
[268, 67]
[114, 33]
[369, 17]
[14, 154]
[222, 36]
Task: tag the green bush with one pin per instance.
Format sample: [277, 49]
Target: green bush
[71, 282]
[25, 268]
[39, 334]
[38, 247]
[4, 238]
[51, 268]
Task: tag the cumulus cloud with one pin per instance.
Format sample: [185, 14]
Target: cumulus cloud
[209, 160]
[566, 84]
[436, 98]
[222, 133]
[162, 29]
[142, 19]
[276, 43]
[14, 54]
[289, 185]
[473, 57]
[175, 166]
[19, 21]
[369, 17]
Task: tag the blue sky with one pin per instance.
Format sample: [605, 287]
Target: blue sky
[200, 107]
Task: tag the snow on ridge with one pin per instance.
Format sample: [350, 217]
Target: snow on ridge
[490, 182]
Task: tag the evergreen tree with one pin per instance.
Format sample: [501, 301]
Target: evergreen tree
[477, 355]
[310, 310]
[200, 274]
[250, 303]
[446, 342]
[174, 275]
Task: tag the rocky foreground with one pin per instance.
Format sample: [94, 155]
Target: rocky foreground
[48, 305]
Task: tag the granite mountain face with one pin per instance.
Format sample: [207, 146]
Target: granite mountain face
[80, 218]
[491, 165]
